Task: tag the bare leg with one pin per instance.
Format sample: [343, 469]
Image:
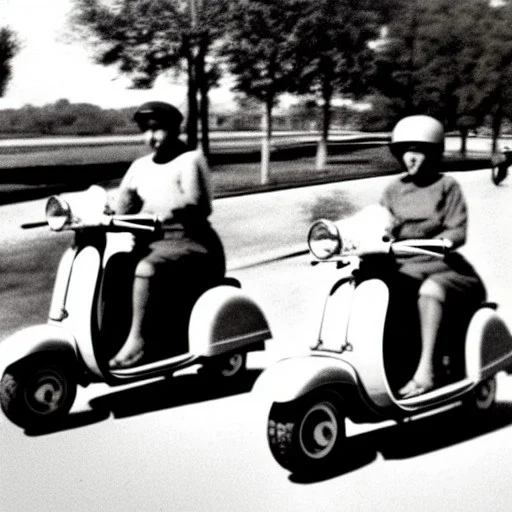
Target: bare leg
[431, 312]
[133, 348]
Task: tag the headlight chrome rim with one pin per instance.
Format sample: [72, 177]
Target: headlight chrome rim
[324, 240]
[58, 213]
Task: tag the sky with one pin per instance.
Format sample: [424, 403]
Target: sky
[49, 67]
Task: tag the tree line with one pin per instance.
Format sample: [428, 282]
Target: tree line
[449, 59]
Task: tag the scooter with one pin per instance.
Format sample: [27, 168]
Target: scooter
[90, 312]
[368, 347]
[499, 165]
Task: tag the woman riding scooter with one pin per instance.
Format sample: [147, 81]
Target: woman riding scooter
[172, 183]
[428, 205]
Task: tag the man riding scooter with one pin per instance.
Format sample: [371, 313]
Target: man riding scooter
[172, 183]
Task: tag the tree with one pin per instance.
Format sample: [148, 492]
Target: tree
[429, 62]
[494, 68]
[259, 50]
[332, 53]
[145, 38]
[9, 47]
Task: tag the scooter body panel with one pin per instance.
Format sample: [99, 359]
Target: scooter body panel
[225, 318]
[293, 377]
[36, 339]
[488, 345]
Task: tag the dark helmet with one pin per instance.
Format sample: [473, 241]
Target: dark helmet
[420, 131]
[166, 115]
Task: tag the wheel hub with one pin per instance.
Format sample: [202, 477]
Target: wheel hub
[47, 394]
[319, 431]
[233, 365]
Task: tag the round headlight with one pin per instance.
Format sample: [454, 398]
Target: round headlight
[324, 239]
[58, 213]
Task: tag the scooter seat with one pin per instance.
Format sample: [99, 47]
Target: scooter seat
[231, 281]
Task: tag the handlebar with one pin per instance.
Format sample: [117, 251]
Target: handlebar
[128, 222]
[433, 247]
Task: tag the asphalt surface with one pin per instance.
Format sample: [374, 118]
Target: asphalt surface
[176, 445]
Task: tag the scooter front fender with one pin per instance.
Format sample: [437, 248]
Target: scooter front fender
[37, 338]
[293, 377]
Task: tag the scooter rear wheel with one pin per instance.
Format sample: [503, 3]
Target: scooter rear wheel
[498, 174]
[482, 397]
[230, 366]
[38, 392]
[308, 434]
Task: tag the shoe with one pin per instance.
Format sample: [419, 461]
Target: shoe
[116, 364]
[413, 388]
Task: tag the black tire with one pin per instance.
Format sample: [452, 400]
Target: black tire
[482, 397]
[498, 174]
[38, 393]
[308, 435]
[230, 366]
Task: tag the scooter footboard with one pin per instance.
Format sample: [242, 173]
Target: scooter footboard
[225, 318]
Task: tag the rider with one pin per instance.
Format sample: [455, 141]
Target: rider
[426, 204]
[172, 183]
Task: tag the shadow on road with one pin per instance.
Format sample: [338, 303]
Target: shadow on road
[413, 438]
[162, 394]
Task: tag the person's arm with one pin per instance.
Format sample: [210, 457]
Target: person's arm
[195, 188]
[128, 201]
[455, 216]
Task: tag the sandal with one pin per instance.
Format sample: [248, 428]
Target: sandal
[414, 388]
[131, 360]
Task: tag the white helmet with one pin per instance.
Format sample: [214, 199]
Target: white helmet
[419, 130]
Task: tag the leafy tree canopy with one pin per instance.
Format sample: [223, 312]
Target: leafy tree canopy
[9, 47]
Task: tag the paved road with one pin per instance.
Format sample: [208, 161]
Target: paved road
[172, 446]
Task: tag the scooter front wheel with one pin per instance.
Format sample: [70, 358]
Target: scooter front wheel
[308, 434]
[38, 392]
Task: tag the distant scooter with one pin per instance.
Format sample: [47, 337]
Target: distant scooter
[500, 163]
[368, 346]
[90, 314]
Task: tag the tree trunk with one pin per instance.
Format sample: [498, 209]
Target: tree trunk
[496, 129]
[266, 141]
[192, 98]
[463, 141]
[321, 152]
[204, 106]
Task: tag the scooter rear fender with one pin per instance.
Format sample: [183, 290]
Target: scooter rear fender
[36, 339]
[224, 319]
[488, 345]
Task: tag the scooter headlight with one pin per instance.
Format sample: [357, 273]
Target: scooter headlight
[58, 213]
[324, 239]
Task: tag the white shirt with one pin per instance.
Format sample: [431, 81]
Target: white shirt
[158, 189]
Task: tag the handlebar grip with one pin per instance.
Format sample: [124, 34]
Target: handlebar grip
[131, 225]
[31, 225]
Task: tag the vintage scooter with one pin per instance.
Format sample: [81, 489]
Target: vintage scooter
[90, 313]
[366, 351]
[500, 163]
